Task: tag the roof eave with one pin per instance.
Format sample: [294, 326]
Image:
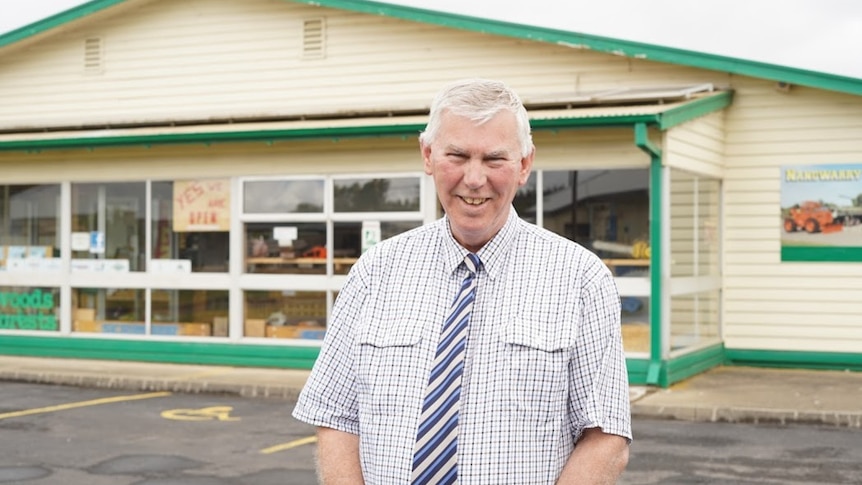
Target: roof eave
[57, 20]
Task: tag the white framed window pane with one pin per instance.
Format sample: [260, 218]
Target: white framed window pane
[198, 313]
[29, 228]
[394, 194]
[525, 200]
[607, 211]
[108, 221]
[285, 314]
[283, 196]
[347, 238]
[108, 310]
[287, 248]
[178, 248]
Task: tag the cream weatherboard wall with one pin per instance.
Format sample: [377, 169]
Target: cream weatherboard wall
[161, 61]
[770, 304]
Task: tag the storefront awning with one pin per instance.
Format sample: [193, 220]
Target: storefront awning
[662, 115]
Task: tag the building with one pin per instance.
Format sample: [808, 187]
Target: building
[191, 181]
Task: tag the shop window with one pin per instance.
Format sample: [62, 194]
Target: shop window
[29, 309]
[635, 323]
[198, 313]
[190, 226]
[293, 196]
[285, 314]
[694, 219]
[288, 222]
[108, 227]
[606, 211]
[295, 248]
[350, 241]
[108, 310]
[525, 200]
[694, 319]
[394, 194]
[29, 228]
[695, 260]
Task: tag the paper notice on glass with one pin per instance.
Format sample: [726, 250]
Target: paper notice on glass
[80, 241]
[370, 234]
[97, 242]
[285, 235]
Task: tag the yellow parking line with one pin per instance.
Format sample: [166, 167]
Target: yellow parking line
[73, 405]
[289, 445]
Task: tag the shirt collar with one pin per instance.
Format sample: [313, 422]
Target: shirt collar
[493, 253]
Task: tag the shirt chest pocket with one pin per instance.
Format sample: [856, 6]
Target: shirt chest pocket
[538, 368]
[391, 367]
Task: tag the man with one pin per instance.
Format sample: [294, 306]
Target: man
[521, 380]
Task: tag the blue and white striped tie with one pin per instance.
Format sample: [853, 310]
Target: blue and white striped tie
[435, 457]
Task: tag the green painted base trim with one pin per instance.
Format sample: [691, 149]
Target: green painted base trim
[638, 369]
[690, 364]
[821, 253]
[230, 354]
[643, 372]
[794, 360]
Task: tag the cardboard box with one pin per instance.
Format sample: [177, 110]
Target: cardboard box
[195, 329]
[220, 327]
[282, 331]
[84, 315]
[86, 326]
[255, 327]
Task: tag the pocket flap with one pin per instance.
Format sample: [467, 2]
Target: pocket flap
[391, 334]
[545, 336]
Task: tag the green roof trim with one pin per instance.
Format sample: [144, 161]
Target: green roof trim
[57, 20]
[619, 47]
[695, 109]
[210, 137]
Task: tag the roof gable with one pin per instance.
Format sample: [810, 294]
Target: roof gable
[574, 40]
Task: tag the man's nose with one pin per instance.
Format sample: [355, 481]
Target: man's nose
[474, 174]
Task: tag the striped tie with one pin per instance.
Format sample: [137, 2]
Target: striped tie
[436, 452]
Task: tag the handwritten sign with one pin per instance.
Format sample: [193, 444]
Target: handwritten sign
[202, 205]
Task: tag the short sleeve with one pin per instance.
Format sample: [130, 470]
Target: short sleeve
[600, 386]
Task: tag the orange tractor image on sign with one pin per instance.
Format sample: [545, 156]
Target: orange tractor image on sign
[811, 217]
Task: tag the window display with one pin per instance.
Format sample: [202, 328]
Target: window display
[285, 314]
[296, 248]
[108, 227]
[30, 228]
[190, 229]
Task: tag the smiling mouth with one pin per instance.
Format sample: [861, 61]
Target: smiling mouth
[474, 200]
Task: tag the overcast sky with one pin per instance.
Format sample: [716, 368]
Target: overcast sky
[819, 35]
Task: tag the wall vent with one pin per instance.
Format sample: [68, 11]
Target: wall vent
[314, 38]
[93, 55]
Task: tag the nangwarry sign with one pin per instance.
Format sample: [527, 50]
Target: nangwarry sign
[821, 212]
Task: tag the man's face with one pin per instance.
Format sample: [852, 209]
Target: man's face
[477, 170]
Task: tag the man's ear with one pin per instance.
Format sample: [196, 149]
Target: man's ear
[526, 167]
[425, 150]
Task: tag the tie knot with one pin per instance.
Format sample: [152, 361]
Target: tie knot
[473, 262]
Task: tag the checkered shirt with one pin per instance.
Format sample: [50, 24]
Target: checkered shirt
[544, 354]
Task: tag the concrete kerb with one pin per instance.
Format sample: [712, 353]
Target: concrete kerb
[154, 385]
[848, 419]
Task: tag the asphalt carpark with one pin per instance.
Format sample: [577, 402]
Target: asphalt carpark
[69, 435]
